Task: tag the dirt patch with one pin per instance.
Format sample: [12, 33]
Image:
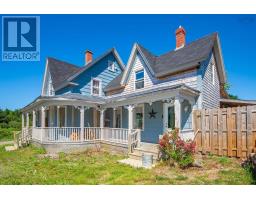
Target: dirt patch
[210, 172]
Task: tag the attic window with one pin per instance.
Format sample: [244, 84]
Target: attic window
[111, 66]
[96, 84]
[139, 79]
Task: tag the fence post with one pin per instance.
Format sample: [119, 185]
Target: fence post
[211, 131]
[203, 131]
[239, 134]
[220, 132]
[249, 130]
[229, 129]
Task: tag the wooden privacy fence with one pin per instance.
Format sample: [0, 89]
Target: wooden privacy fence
[226, 131]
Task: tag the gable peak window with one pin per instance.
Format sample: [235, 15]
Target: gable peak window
[96, 84]
[139, 79]
[111, 66]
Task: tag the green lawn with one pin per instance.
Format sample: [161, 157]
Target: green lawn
[28, 166]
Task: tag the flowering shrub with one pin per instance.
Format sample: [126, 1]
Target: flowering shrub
[172, 147]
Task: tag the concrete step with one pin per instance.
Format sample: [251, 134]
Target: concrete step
[134, 163]
[11, 148]
[149, 151]
[136, 156]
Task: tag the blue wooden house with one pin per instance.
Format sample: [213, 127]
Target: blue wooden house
[107, 102]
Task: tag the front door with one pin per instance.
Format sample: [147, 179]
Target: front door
[168, 117]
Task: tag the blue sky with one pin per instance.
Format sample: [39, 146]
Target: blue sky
[66, 37]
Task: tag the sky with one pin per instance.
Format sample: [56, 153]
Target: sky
[66, 37]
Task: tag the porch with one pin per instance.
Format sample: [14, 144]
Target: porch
[126, 138]
[126, 120]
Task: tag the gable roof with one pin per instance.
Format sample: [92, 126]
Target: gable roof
[89, 65]
[63, 73]
[179, 60]
[60, 71]
[114, 84]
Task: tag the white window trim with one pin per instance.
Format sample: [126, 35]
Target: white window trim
[213, 73]
[100, 87]
[135, 79]
[111, 66]
[143, 118]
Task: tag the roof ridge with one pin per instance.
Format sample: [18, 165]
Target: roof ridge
[58, 60]
[190, 43]
[141, 46]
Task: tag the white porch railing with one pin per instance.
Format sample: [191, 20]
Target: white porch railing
[117, 135]
[131, 138]
[134, 139]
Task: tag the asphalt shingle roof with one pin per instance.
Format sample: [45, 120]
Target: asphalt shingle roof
[174, 61]
[180, 59]
[114, 84]
[60, 71]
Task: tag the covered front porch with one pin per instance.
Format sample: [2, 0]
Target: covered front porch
[126, 121]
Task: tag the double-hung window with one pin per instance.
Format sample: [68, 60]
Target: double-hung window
[139, 79]
[96, 87]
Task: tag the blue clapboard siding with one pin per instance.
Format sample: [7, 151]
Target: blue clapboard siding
[88, 117]
[100, 71]
[109, 117]
[124, 118]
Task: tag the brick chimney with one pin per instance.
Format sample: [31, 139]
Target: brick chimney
[180, 37]
[88, 56]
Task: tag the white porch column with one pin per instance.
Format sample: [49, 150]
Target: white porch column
[58, 116]
[177, 108]
[27, 120]
[66, 116]
[102, 117]
[43, 117]
[34, 119]
[73, 116]
[51, 116]
[22, 120]
[114, 117]
[130, 116]
[82, 122]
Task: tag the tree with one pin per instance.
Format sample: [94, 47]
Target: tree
[227, 88]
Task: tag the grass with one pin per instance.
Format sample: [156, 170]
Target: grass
[29, 166]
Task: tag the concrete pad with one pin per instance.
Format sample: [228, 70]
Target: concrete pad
[134, 163]
[10, 148]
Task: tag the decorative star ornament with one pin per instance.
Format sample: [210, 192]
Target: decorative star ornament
[152, 114]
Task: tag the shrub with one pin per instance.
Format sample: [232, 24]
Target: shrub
[175, 148]
[6, 134]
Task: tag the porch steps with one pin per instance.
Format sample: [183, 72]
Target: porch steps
[145, 148]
